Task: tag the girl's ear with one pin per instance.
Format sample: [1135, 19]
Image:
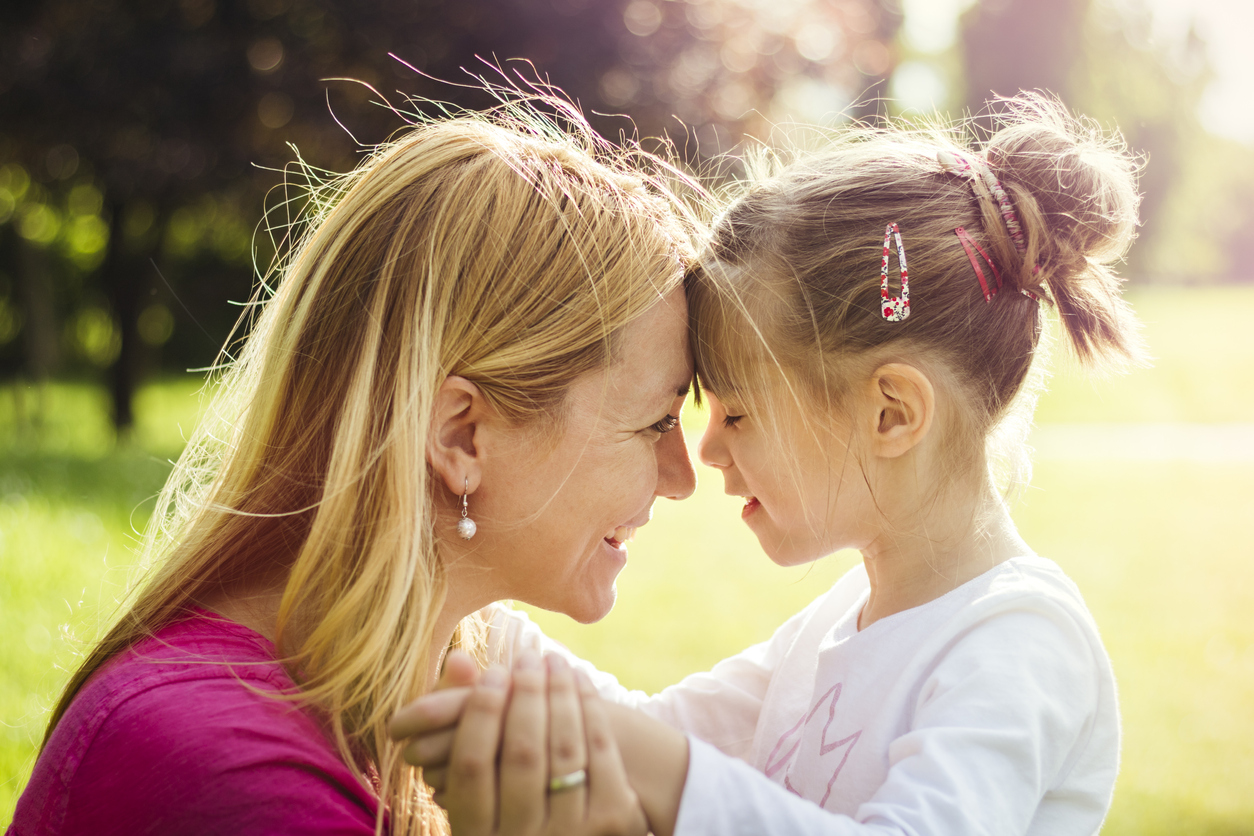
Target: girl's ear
[903, 404]
[455, 445]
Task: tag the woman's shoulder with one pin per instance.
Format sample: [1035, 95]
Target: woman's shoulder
[200, 659]
[189, 725]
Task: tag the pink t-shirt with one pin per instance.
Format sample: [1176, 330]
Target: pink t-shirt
[180, 735]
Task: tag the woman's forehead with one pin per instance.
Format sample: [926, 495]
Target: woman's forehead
[651, 367]
[653, 349]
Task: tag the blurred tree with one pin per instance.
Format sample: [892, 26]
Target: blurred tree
[1101, 59]
[1013, 45]
[726, 69]
[130, 127]
[1207, 222]
[1151, 90]
[139, 137]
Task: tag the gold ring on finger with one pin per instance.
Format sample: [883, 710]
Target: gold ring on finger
[569, 781]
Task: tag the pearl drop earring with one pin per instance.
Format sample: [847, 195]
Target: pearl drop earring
[466, 526]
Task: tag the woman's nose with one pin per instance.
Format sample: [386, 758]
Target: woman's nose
[676, 478]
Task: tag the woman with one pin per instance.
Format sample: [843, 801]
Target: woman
[485, 324]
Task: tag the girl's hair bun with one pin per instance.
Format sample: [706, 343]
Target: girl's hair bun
[1074, 187]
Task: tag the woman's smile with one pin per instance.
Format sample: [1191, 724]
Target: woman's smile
[622, 535]
[557, 510]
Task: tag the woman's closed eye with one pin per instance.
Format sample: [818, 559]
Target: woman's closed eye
[664, 426]
[731, 420]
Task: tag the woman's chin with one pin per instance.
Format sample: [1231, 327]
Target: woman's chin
[594, 608]
[599, 591]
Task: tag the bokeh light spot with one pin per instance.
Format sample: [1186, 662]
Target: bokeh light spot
[871, 58]
[39, 224]
[156, 324]
[95, 337]
[275, 110]
[265, 55]
[86, 239]
[619, 87]
[642, 18]
[815, 41]
[917, 86]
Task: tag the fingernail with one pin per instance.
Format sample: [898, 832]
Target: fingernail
[556, 663]
[495, 677]
[528, 660]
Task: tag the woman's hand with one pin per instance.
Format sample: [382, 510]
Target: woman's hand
[429, 721]
[512, 764]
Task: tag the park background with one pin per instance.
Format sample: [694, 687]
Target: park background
[141, 142]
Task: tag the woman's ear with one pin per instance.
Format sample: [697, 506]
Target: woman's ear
[455, 443]
[903, 405]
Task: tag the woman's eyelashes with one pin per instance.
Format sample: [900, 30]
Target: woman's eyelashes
[664, 426]
[730, 421]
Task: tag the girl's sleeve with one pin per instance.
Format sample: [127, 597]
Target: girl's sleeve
[720, 706]
[1015, 731]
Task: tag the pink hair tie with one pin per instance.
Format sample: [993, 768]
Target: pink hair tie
[971, 248]
[969, 245]
[972, 169]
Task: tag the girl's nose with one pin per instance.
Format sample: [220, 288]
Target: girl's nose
[711, 449]
[676, 478]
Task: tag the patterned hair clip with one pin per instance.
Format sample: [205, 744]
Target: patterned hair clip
[894, 308]
[964, 166]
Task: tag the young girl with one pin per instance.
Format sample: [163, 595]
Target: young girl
[955, 682]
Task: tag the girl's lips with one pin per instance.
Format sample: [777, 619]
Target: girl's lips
[751, 505]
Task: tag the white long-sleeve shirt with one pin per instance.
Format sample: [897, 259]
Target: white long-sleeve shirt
[989, 710]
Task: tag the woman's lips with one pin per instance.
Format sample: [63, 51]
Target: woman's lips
[622, 534]
[751, 505]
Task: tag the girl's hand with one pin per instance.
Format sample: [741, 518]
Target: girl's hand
[543, 728]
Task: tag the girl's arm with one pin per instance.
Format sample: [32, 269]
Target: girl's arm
[1009, 747]
[720, 706]
[1014, 731]
[655, 758]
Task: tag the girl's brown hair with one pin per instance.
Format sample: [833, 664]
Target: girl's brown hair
[789, 285]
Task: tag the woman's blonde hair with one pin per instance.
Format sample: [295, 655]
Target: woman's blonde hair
[789, 286]
[501, 248]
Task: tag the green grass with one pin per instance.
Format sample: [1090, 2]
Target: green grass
[71, 505]
[1199, 339]
[1157, 548]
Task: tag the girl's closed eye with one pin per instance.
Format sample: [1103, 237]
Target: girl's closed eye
[730, 421]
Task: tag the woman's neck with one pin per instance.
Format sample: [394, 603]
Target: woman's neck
[256, 606]
[909, 568]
